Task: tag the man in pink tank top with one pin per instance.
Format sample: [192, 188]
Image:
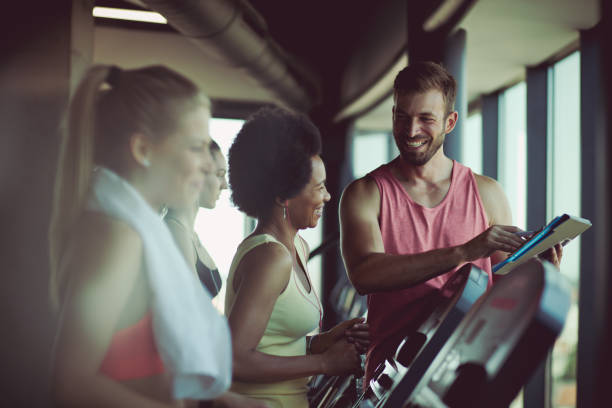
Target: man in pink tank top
[409, 224]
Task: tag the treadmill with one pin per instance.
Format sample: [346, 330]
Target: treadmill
[416, 352]
[496, 347]
[453, 301]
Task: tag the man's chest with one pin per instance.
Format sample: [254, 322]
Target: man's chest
[427, 194]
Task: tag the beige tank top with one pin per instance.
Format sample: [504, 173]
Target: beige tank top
[296, 313]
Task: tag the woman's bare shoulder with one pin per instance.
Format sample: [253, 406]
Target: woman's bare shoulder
[269, 262]
[104, 245]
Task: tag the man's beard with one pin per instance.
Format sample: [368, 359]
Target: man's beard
[421, 159]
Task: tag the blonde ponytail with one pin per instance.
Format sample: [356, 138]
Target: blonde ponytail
[75, 165]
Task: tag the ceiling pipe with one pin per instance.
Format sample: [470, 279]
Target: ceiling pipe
[232, 31]
[447, 15]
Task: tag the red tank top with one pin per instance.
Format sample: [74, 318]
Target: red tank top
[410, 228]
[133, 353]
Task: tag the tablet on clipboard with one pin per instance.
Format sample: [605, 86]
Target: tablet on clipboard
[561, 229]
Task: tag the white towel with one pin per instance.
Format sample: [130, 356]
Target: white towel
[193, 339]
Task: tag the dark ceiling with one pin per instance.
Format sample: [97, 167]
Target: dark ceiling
[347, 45]
[319, 33]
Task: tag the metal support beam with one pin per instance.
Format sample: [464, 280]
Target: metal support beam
[453, 59]
[490, 134]
[536, 393]
[537, 133]
[594, 355]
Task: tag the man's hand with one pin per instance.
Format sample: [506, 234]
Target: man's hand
[495, 238]
[553, 255]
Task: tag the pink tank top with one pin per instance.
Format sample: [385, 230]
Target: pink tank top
[409, 228]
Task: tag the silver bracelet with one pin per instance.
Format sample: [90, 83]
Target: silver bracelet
[309, 344]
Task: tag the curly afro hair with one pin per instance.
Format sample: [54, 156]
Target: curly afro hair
[270, 158]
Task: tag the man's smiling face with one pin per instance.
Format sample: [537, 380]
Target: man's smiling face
[420, 124]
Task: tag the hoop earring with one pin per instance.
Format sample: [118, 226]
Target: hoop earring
[285, 212]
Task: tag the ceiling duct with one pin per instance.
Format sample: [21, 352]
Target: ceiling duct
[232, 31]
[447, 15]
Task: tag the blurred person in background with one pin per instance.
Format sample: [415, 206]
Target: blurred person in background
[181, 221]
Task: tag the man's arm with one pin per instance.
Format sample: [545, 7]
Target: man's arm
[496, 206]
[371, 270]
[498, 211]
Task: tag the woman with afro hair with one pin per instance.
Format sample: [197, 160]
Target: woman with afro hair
[277, 176]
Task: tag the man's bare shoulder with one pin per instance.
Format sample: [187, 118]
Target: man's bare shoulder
[363, 188]
[488, 187]
[494, 200]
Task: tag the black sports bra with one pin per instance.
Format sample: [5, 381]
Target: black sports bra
[211, 279]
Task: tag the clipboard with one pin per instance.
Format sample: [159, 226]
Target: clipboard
[561, 229]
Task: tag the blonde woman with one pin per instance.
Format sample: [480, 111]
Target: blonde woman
[135, 140]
